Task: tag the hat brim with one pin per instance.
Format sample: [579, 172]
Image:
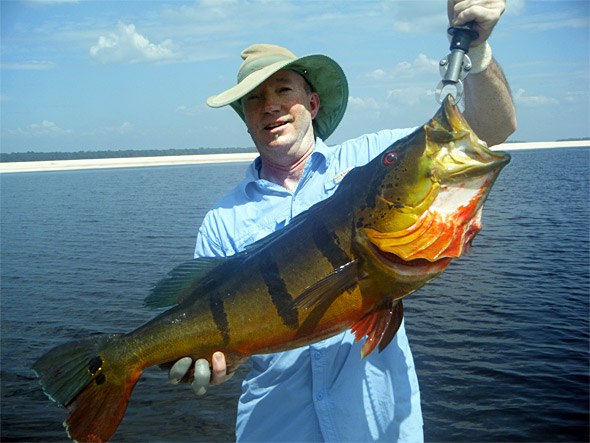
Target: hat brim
[325, 76]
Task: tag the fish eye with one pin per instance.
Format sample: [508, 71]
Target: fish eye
[390, 158]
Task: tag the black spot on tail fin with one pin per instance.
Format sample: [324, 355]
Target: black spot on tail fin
[95, 364]
[65, 370]
[95, 391]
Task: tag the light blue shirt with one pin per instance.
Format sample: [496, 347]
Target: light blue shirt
[324, 391]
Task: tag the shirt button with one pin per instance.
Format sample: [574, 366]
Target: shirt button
[317, 355]
[320, 396]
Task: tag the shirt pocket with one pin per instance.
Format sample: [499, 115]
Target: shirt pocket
[259, 230]
[333, 180]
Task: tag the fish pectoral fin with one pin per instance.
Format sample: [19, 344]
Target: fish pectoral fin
[327, 288]
[380, 326]
[180, 282]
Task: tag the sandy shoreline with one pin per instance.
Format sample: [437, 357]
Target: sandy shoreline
[105, 163]
[130, 162]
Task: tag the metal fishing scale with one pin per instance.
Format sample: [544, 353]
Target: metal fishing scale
[456, 65]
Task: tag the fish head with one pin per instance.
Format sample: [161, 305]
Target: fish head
[423, 206]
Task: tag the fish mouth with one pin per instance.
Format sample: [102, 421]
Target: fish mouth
[462, 161]
[418, 267]
[458, 154]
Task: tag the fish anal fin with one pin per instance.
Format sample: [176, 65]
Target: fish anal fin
[380, 326]
[327, 288]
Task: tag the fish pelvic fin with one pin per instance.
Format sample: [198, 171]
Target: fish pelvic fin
[380, 326]
[94, 389]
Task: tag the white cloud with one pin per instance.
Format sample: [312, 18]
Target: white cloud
[47, 2]
[365, 103]
[418, 16]
[206, 10]
[127, 46]
[425, 64]
[379, 75]
[420, 65]
[29, 66]
[368, 106]
[520, 98]
[410, 96]
[548, 23]
[190, 110]
[40, 129]
[576, 97]
[124, 128]
[514, 7]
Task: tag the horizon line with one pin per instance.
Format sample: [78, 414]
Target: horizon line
[173, 160]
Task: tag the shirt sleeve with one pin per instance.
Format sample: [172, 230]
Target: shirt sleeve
[206, 245]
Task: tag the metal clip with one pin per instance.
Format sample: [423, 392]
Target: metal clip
[452, 75]
[455, 66]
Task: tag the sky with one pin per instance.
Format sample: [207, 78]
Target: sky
[98, 75]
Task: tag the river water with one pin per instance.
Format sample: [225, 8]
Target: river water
[500, 341]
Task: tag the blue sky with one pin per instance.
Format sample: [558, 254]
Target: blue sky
[89, 75]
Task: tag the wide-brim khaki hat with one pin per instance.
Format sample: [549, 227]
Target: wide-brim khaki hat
[324, 75]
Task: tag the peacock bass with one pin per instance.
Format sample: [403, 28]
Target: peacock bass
[392, 225]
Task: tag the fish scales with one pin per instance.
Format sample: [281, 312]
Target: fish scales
[286, 271]
[391, 226]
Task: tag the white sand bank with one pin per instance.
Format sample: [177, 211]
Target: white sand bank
[541, 145]
[65, 165]
[102, 163]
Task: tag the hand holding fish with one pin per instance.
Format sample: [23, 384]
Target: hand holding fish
[485, 14]
[200, 376]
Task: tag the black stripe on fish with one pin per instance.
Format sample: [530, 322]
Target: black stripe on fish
[219, 317]
[278, 291]
[328, 244]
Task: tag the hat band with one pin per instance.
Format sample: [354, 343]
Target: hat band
[258, 64]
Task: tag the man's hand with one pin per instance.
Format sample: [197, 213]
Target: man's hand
[203, 376]
[488, 103]
[485, 13]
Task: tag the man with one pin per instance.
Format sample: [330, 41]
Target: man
[290, 106]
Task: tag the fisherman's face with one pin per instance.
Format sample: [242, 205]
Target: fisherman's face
[279, 114]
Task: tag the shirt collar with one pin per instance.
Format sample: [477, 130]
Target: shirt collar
[253, 171]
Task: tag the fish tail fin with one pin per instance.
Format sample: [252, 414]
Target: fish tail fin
[94, 386]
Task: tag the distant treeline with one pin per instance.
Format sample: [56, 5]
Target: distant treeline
[558, 140]
[573, 139]
[84, 155]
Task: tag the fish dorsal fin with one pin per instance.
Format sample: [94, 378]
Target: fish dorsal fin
[380, 326]
[327, 288]
[179, 283]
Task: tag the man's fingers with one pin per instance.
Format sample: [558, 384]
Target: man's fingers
[485, 13]
[179, 370]
[202, 376]
[219, 374]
